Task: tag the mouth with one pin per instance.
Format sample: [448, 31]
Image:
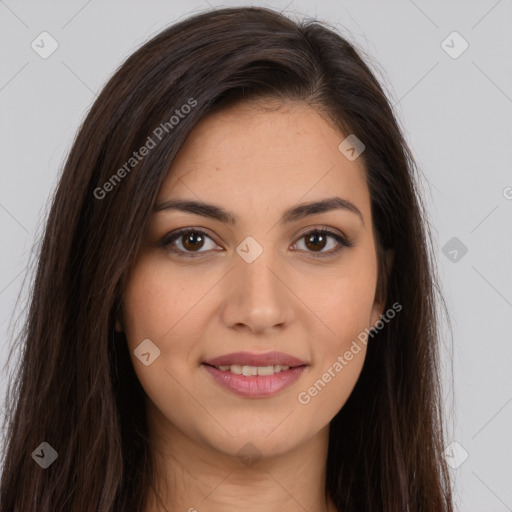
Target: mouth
[255, 375]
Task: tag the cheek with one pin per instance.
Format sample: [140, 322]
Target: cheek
[339, 355]
[345, 304]
[157, 302]
[157, 305]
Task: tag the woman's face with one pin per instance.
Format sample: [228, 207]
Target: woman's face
[253, 278]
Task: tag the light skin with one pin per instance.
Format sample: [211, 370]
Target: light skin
[256, 164]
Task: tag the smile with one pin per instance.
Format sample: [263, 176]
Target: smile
[255, 375]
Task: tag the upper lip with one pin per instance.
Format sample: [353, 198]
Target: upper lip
[252, 359]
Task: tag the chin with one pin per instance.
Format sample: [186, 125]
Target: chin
[260, 439]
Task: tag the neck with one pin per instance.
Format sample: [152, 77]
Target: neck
[195, 477]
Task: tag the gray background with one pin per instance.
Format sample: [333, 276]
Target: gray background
[456, 114]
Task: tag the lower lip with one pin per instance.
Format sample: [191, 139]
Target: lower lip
[255, 386]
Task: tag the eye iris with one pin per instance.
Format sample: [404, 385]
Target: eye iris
[192, 238]
[316, 237]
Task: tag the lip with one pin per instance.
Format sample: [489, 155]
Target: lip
[252, 359]
[258, 386]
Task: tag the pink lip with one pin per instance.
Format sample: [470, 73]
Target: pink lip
[250, 359]
[256, 386]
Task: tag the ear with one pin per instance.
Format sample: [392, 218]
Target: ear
[119, 326]
[380, 301]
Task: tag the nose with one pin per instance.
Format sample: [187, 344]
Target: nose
[258, 298]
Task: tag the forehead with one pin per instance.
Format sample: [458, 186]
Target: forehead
[265, 154]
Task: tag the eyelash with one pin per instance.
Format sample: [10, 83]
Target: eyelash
[171, 237]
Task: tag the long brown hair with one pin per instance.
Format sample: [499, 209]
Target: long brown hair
[76, 389]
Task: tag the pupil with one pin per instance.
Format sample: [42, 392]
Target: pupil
[316, 237]
[192, 239]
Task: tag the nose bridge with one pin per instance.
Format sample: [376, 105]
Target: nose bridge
[259, 277]
[258, 296]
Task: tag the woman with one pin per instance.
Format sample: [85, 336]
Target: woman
[235, 303]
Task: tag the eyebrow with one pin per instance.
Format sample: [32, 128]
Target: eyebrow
[293, 214]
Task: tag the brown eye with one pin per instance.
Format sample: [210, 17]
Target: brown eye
[192, 240]
[315, 241]
[187, 242]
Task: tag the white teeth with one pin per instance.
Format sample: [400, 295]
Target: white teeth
[236, 368]
[251, 371]
[266, 370]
